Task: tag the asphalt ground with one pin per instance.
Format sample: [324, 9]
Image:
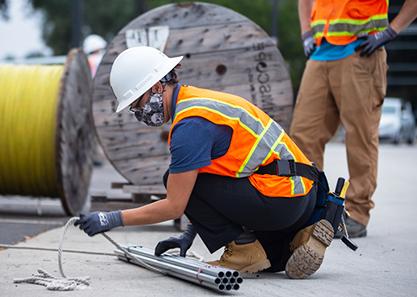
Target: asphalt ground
[384, 265]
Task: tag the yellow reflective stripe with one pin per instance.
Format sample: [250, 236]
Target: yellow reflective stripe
[318, 34]
[292, 185]
[219, 113]
[359, 22]
[346, 33]
[254, 146]
[302, 184]
[293, 180]
[318, 22]
[350, 21]
[289, 151]
[225, 103]
[273, 147]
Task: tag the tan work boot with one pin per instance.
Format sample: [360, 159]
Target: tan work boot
[308, 247]
[250, 257]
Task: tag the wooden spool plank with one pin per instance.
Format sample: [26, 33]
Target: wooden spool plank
[222, 50]
[74, 133]
[151, 189]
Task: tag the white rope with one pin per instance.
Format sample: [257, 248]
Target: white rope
[65, 283]
[70, 222]
[53, 283]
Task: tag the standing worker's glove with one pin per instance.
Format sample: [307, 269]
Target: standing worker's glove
[308, 43]
[183, 242]
[98, 222]
[375, 41]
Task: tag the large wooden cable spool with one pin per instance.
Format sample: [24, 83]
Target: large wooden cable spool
[222, 50]
[60, 123]
[75, 140]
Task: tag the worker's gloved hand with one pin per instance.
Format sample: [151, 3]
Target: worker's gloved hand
[375, 41]
[97, 222]
[308, 43]
[183, 242]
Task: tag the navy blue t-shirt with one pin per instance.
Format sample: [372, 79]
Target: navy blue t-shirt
[196, 141]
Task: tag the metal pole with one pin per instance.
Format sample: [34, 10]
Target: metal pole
[187, 263]
[197, 272]
[186, 269]
[179, 272]
[76, 22]
[274, 28]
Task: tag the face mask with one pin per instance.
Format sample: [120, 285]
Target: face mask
[152, 113]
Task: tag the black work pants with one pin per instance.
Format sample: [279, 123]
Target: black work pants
[220, 208]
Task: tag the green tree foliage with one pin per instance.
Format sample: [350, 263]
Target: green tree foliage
[290, 39]
[106, 18]
[100, 17]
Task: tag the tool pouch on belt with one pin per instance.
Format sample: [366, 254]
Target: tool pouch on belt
[328, 206]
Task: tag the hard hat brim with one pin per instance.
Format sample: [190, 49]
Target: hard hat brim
[164, 71]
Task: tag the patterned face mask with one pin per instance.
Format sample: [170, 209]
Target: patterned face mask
[152, 113]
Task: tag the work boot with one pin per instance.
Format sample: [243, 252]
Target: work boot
[245, 258]
[308, 248]
[354, 229]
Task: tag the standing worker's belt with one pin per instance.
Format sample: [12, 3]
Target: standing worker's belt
[290, 168]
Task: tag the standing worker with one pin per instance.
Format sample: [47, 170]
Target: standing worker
[94, 46]
[345, 81]
[240, 179]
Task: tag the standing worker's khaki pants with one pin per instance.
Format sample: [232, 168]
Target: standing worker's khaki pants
[350, 91]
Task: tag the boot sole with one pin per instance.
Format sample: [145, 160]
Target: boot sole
[308, 258]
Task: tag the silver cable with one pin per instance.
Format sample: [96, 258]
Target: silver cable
[71, 221]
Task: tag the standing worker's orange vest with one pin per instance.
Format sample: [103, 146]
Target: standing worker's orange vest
[257, 140]
[343, 21]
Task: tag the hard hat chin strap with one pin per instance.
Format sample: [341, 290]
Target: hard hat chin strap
[171, 77]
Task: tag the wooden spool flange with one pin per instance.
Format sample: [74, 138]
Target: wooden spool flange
[74, 141]
[222, 50]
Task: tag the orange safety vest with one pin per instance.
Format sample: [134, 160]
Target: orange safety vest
[257, 140]
[343, 21]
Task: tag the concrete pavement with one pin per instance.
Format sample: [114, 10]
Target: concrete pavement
[384, 265]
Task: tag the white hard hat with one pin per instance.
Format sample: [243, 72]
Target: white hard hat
[136, 70]
[93, 43]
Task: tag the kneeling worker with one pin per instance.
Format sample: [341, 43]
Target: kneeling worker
[235, 173]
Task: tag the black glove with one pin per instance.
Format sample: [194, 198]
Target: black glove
[308, 43]
[97, 222]
[183, 242]
[375, 41]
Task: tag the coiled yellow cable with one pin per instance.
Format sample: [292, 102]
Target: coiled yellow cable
[29, 97]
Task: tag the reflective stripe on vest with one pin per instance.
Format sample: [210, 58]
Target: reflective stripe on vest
[350, 27]
[297, 184]
[268, 138]
[247, 121]
[343, 21]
